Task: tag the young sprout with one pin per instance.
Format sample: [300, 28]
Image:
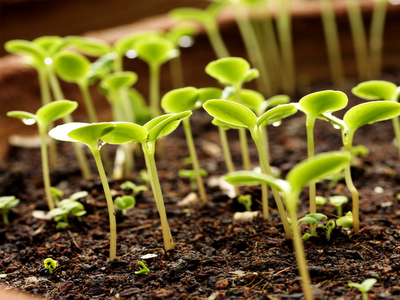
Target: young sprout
[143, 269]
[346, 221]
[43, 117]
[50, 265]
[313, 219]
[124, 203]
[91, 135]
[147, 136]
[320, 200]
[328, 228]
[338, 201]
[234, 71]
[6, 203]
[246, 201]
[381, 90]
[135, 189]
[239, 115]
[56, 194]
[317, 167]
[364, 287]
[177, 101]
[191, 174]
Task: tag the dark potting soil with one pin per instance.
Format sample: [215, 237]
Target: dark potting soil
[214, 258]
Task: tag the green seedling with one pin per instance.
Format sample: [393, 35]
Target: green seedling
[124, 203]
[346, 221]
[155, 51]
[314, 105]
[147, 136]
[56, 194]
[354, 118]
[135, 189]
[177, 101]
[66, 206]
[91, 135]
[246, 201]
[208, 19]
[50, 265]
[239, 115]
[376, 36]
[381, 90]
[338, 201]
[89, 46]
[234, 71]
[143, 269]
[43, 117]
[6, 203]
[364, 287]
[313, 219]
[191, 174]
[319, 201]
[328, 228]
[317, 167]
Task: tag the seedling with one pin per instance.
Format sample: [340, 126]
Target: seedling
[124, 203]
[364, 287]
[135, 189]
[143, 269]
[90, 135]
[328, 228]
[312, 169]
[319, 201]
[338, 201]
[147, 136]
[6, 203]
[234, 71]
[313, 219]
[246, 201]
[50, 265]
[56, 194]
[43, 117]
[239, 115]
[191, 174]
[346, 221]
[177, 101]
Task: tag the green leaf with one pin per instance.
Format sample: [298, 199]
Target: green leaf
[209, 93]
[26, 117]
[167, 125]
[125, 202]
[224, 125]
[229, 70]
[272, 102]
[127, 42]
[231, 113]
[155, 50]
[180, 100]
[71, 66]
[276, 114]
[55, 110]
[180, 30]
[47, 41]
[338, 200]
[118, 80]
[249, 98]
[365, 286]
[308, 220]
[317, 167]
[323, 102]
[125, 132]
[23, 47]
[370, 112]
[78, 195]
[375, 90]
[90, 46]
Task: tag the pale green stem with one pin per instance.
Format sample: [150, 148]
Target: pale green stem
[215, 38]
[148, 151]
[396, 128]
[110, 203]
[285, 38]
[176, 72]
[80, 155]
[265, 140]
[266, 169]
[359, 38]
[227, 153]
[340, 210]
[332, 41]
[117, 65]
[310, 149]
[253, 49]
[375, 40]
[300, 256]
[243, 136]
[5, 216]
[155, 90]
[45, 167]
[195, 161]
[87, 98]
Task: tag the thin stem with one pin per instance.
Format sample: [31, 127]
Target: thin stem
[266, 169]
[396, 128]
[148, 151]
[265, 140]
[375, 39]
[45, 167]
[227, 154]
[218, 45]
[310, 149]
[155, 90]
[195, 161]
[176, 72]
[87, 98]
[332, 41]
[245, 148]
[110, 203]
[5, 216]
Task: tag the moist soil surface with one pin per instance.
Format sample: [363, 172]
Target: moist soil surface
[214, 257]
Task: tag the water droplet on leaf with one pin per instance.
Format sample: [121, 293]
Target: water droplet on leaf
[29, 121]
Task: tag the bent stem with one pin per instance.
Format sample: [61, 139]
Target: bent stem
[195, 161]
[110, 204]
[45, 169]
[149, 151]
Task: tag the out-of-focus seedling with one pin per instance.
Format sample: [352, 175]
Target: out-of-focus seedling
[346, 221]
[328, 228]
[320, 200]
[56, 194]
[191, 174]
[135, 189]
[364, 287]
[338, 201]
[6, 203]
[143, 269]
[246, 201]
[124, 203]
[50, 264]
[44, 116]
[313, 219]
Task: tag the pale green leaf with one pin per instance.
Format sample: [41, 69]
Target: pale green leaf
[315, 104]
[26, 117]
[71, 66]
[180, 100]
[125, 132]
[209, 93]
[276, 114]
[23, 47]
[167, 125]
[56, 110]
[229, 70]
[249, 98]
[118, 80]
[375, 90]
[155, 50]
